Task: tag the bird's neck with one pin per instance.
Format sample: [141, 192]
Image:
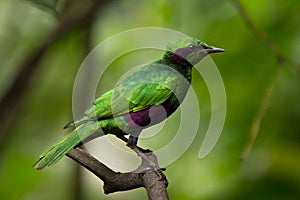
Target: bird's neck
[178, 63]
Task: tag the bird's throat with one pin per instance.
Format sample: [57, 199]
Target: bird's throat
[179, 64]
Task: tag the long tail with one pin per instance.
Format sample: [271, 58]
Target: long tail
[57, 151]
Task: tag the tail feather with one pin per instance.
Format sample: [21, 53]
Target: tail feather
[70, 124]
[64, 145]
[81, 121]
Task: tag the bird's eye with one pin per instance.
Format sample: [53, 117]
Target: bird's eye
[192, 46]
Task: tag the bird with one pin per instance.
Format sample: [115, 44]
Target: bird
[145, 97]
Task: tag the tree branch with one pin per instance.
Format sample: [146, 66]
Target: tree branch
[264, 37]
[10, 101]
[154, 181]
[256, 122]
[281, 59]
[78, 191]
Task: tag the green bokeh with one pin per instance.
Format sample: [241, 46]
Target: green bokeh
[272, 170]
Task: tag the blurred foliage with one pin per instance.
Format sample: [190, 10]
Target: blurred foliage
[45, 4]
[272, 170]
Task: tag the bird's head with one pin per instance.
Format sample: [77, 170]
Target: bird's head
[190, 50]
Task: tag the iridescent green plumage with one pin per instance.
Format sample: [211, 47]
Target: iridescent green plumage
[125, 109]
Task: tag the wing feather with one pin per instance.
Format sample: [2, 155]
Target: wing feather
[148, 86]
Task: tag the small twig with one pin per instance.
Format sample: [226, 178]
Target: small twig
[281, 59]
[115, 181]
[264, 37]
[256, 122]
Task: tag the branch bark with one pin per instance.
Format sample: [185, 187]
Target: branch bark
[154, 182]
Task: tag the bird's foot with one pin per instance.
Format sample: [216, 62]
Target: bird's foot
[149, 159]
[149, 162]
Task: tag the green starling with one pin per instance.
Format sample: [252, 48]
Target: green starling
[145, 97]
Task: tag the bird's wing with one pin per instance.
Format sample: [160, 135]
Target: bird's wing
[138, 91]
[110, 105]
[122, 100]
[150, 94]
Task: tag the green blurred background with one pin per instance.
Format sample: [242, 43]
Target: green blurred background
[272, 169]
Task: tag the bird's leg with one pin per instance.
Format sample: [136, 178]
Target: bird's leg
[132, 141]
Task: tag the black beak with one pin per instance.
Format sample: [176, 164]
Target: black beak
[212, 49]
